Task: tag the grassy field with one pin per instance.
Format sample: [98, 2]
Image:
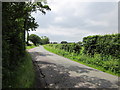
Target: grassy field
[94, 62]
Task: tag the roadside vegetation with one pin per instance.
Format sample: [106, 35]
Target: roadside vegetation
[100, 52]
[17, 67]
[30, 47]
[23, 75]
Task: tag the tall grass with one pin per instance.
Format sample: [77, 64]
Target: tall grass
[23, 76]
[104, 63]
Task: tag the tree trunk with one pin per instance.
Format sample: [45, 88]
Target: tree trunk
[27, 38]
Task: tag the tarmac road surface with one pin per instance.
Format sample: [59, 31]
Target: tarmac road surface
[59, 72]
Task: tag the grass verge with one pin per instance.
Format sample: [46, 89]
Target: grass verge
[30, 47]
[23, 76]
[86, 60]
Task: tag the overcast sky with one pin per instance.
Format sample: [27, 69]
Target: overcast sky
[71, 20]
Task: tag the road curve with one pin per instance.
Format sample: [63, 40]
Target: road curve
[60, 72]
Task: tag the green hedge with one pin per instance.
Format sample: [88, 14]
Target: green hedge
[105, 63]
[105, 45]
[68, 47]
[99, 50]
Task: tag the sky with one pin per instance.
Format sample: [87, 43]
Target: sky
[71, 20]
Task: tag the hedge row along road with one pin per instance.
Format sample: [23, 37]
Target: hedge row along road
[59, 72]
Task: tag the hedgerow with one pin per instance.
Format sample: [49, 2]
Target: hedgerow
[68, 47]
[105, 45]
[100, 51]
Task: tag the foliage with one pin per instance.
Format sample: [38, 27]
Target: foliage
[30, 23]
[45, 40]
[54, 43]
[22, 77]
[26, 79]
[67, 47]
[106, 45]
[80, 43]
[106, 63]
[13, 34]
[99, 51]
[35, 39]
[63, 42]
[16, 20]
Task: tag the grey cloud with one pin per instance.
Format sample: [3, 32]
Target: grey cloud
[95, 11]
[44, 20]
[98, 8]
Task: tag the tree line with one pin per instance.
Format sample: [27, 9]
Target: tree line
[36, 40]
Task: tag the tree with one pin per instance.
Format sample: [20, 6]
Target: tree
[16, 20]
[30, 23]
[36, 40]
[45, 40]
[54, 43]
[63, 42]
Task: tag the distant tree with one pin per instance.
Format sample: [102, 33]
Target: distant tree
[31, 26]
[55, 43]
[64, 42]
[50, 42]
[45, 40]
[35, 39]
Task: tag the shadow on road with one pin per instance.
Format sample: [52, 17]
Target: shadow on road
[58, 76]
[40, 54]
